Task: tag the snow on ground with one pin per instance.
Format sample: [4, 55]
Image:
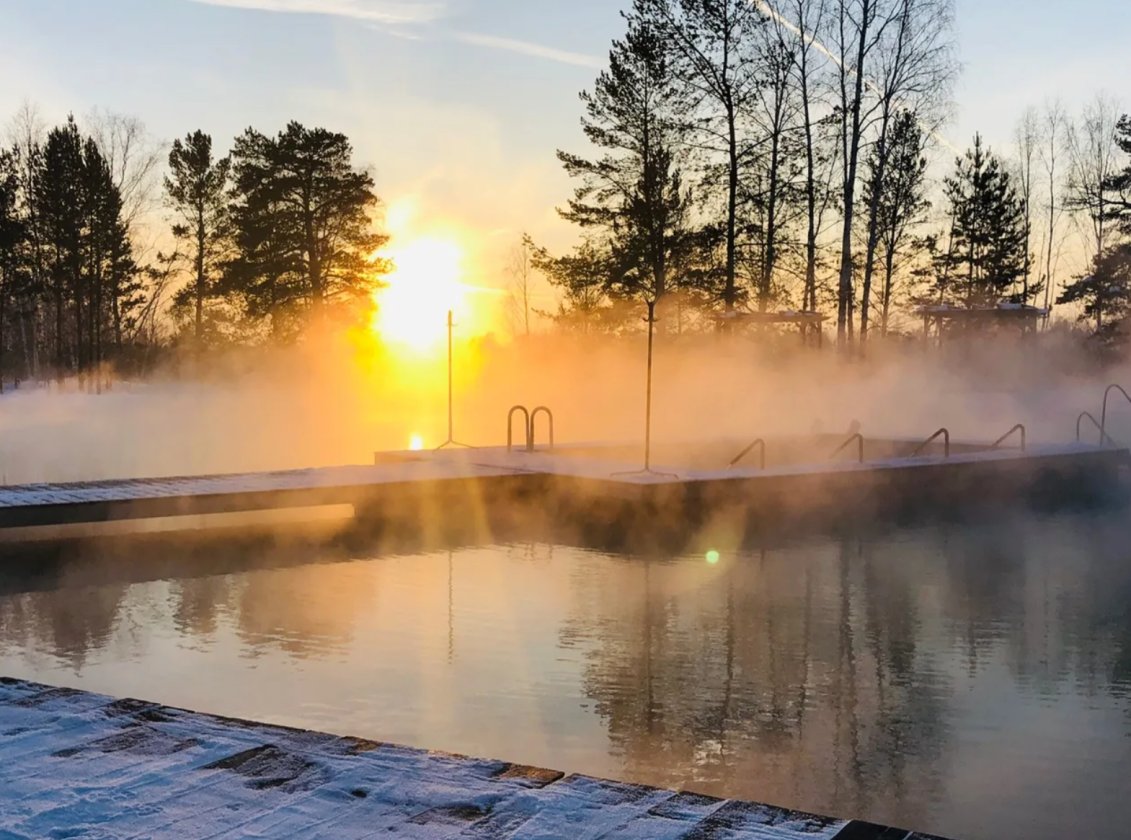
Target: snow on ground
[81, 765]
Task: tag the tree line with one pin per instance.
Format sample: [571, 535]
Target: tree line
[272, 237]
[752, 156]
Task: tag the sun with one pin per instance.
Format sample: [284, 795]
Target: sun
[411, 311]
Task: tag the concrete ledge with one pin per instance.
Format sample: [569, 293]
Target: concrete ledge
[79, 764]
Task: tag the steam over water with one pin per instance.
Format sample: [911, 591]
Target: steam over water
[970, 680]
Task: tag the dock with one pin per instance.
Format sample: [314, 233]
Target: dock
[79, 764]
[604, 483]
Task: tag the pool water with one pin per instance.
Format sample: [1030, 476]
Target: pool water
[971, 680]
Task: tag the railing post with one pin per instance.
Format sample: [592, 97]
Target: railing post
[510, 427]
[534, 417]
[1103, 416]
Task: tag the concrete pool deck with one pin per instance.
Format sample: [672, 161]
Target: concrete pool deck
[75, 764]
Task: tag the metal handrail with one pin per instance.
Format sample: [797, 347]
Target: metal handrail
[944, 434]
[1103, 416]
[762, 461]
[533, 417]
[1104, 436]
[526, 427]
[856, 438]
[1018, 428]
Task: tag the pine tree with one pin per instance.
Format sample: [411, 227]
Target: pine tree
[632, 196]
[1105, 293]
[13, 232]
[57, 194]
[987, 254]
[1118, 186]
[197, 190]
[303, 226]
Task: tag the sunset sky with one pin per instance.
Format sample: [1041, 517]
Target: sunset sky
[458, 105]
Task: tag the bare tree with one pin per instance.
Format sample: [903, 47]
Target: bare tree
[778, 116]
[913, 73]
[1028, 134]
[806, 20]
[520, 271]
[27, 132]
[1093, 160]
[1052, 142]
[134, 158]
[884, 51]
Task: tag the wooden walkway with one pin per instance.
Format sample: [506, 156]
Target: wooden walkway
[74, 764]
[398, 475]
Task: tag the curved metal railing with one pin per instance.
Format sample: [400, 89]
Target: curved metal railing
[758, 444]
[1103, 415]
[858, 439]
[1018, 428]
[943, 433]
[1104, 436]
[533, 421]
[526, 427]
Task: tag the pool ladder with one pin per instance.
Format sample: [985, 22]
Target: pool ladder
[530, 418]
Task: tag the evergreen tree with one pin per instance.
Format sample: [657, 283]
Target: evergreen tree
[13, 232]
[632, 196]
[987, 252]
[1118, 186]
[197, 190]
[302, 222]
[583, 277]
[1105, 293]
[57, 194]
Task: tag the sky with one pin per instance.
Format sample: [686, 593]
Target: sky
[458, 106]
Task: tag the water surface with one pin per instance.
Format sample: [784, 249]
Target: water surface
[969, 680]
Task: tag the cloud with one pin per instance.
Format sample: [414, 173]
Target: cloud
[528, 48]
[374, 11]
[401, 13]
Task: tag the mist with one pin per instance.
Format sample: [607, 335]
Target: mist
[337, 399]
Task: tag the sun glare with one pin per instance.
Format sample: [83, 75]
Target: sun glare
[411, 310]
[416, 443]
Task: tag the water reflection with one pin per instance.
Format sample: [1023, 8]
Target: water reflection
[970, 680]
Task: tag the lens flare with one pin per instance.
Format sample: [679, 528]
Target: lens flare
[713, 557]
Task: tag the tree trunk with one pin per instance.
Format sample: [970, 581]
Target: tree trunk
[878, 178]
[730, 292]
[889, 274]
[852, 158]
[200, 239]
[771, 223]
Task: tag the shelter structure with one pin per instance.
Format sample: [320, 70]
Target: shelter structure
[810, 324]
[947, 320]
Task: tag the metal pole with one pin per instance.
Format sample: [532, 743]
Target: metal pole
[451, 441]
[451, 422]
[648, 401]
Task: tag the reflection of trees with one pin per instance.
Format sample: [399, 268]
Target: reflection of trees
[68, 624]
[823, 676]
[772, 678]
[197, 602]
[307, 610]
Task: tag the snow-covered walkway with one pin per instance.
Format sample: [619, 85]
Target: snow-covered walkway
[81, 765]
